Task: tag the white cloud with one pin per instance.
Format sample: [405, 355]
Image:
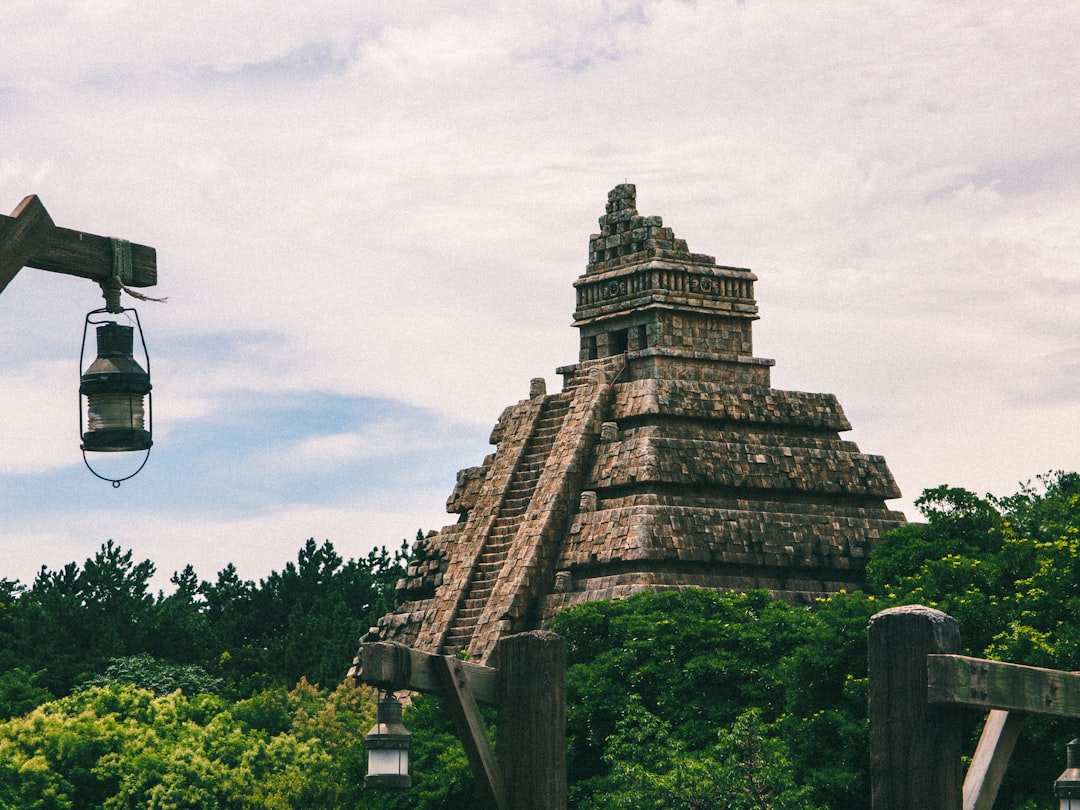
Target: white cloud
[40, 419]
[393, 200]
[382, 439]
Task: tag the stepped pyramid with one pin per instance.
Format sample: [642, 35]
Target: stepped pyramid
[666, 461]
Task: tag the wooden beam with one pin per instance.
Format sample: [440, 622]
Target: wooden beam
[389, 665]
[987, 767]
[460, 702]
[22, 235]
[86, 255]
[975, 682]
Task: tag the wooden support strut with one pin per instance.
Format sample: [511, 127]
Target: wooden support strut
[28, 238]
[454, 682]
[987, 767]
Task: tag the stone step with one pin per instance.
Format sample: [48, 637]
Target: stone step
[455, 644]
[519, 492]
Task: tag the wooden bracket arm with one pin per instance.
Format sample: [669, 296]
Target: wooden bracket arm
[390, 665]
[28, 238]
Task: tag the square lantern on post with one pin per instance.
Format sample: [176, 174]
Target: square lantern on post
[1067, 785]
[388, 744]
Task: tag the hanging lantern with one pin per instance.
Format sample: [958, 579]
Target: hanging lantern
[115, 393]
[388, 745]
[1067, 786]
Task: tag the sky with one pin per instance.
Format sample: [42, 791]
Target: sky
[368, 218]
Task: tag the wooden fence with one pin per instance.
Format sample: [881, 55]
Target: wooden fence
[918, 683]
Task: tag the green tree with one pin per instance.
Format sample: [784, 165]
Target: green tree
[699, 660]
[19, 692]
[302, 621]
[747, 768]
[1007, 568]
[160, 677]
[70, 622]
[118, 747]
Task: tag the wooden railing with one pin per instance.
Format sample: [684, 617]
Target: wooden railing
[918, 683]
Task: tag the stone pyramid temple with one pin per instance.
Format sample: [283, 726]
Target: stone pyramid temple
[666, 461]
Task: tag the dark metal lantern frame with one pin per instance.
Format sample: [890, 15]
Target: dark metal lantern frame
[388, 745]
[118, 403]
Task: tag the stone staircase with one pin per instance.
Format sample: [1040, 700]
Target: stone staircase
[504, 528]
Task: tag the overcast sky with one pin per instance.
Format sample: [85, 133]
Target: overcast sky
[368, 218]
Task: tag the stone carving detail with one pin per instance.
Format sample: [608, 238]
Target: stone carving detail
[587, 502]
[715, 479]
[564, 582]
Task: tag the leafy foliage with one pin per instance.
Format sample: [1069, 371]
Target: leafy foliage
[747, 769]
[120, 747]
[19, 692]
[160, 677]
[700, 660]
[71, 621]
[184, 700]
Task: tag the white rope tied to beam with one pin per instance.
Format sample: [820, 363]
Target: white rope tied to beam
[123, 273]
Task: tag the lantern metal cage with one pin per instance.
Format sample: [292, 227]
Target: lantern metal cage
[1067, 785]
[115, 391]
[388, 745]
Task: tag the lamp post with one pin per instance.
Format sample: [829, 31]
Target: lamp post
[116, 388]
[1067, 785]
[388, 745]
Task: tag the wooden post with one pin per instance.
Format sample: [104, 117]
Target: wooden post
[531, 735]
[915, 747]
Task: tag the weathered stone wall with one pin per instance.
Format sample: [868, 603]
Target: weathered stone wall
[720, 402]
[779, 535]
